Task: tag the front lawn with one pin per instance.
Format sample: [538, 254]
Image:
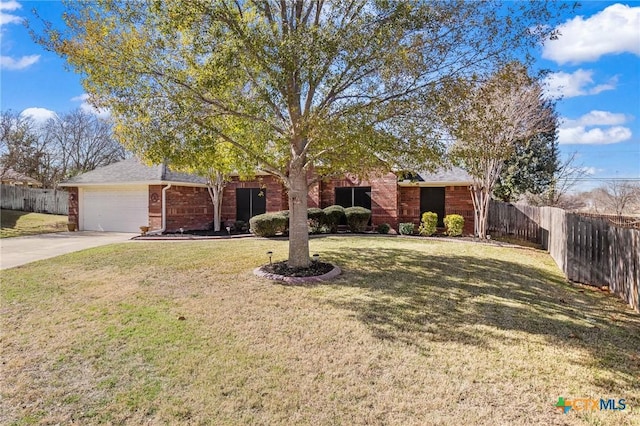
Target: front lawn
[413, 332]
[16, 223]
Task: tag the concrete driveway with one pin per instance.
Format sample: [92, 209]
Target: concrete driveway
[21, 250]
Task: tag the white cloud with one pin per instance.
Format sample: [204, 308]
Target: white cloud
[580, 135]
[38, 114]
[578, 83]
[87, 107]
[611, 31]
[597, 118]
[8, 63]
[7, 18]
[9, 5]
[590, 170]
[585, 130]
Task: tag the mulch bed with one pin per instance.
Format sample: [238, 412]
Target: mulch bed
[314, 270]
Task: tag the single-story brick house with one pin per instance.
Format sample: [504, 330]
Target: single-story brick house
[126, 195]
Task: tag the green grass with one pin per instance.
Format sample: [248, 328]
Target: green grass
[16, 223]
[413, 332]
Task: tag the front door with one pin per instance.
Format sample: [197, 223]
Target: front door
[250, 202]
[432, 200]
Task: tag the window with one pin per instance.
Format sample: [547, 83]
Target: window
[250, 202]
[351, 197]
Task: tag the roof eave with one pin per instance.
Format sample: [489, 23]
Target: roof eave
[130, 183]
[434, 183]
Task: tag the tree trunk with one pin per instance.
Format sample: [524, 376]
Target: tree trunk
[216, 188]
[480, 199]
[298, 226]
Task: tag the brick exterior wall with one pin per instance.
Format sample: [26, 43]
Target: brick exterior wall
[457, 200]
[74, 206]
[276, 195]
[155, 207]
[187, 207]
[409, 204]
[313, 199]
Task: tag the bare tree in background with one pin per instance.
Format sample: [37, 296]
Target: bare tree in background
[622, 196]
[27, 148]
[488, 120]
[565, 178]
[63, 146]
[84, 142]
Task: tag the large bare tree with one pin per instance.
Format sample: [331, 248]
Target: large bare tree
[83, 142]
[622, 196]
[487, 120]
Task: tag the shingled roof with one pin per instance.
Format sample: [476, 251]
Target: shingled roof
[453, 176]
[132, 172]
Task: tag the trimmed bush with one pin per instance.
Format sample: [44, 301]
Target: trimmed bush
[428, 224]
[406, 228]
[315, 213]
[357, 218]
[333, 217]
[454, 224]
[317, 219]
[268, 224]
[383, 228]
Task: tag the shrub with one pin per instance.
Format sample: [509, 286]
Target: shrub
[239, 226]
[268, 224]
[315, 213]
[357, 218]
[454, 224]
[406, 228]
[428, 224]
[317, 220]
[333, 216]
[383, 228]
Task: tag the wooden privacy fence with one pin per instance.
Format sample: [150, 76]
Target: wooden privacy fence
[34, 199]
[589, 250]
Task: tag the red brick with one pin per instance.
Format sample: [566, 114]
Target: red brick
[74, 206]
[186, 207]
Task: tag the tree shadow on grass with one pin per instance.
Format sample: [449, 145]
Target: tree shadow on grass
[445, 297]
[9, 218]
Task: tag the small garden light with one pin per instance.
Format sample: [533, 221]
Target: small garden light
[229, 230]
[316, 256]
[269, 253]
[181, 231]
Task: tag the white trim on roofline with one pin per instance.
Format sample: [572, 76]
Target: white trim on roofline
[408, 183]
[132, 183]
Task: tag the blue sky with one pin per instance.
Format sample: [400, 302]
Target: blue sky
[595, 70]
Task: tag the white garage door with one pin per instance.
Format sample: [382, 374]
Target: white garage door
[120, 209]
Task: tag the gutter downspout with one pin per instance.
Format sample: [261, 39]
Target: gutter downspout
[164, 211]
